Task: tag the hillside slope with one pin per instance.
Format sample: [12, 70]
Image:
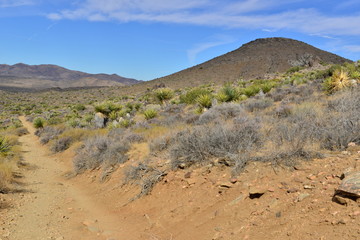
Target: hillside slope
[253, 60]
[51, 76]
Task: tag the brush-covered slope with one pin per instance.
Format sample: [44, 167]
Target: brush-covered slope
[51, 76]
[253, 60]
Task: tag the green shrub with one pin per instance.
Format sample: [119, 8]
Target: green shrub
[204, 101]
[294, 69]
[39, 122]
[108, 107]
[79, 107]
[251, 90]
[164, 94]
[228, 94]
[4, 146]
[191, 96]
[150, 113]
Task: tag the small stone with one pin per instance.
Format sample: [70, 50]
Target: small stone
[292, 190]
[302, 196]
[191, 181]
[308, 187]
[187, 175]
[238, 199]
[256, 192]
[341, 200]
[311, 177]
[342, 221]
[351, 144]
[233, 180]
[225, 185]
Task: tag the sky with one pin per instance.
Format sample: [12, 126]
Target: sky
[147, 39]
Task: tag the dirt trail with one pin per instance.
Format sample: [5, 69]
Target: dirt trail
[50, 206]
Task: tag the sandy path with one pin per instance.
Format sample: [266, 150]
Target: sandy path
[51, 206]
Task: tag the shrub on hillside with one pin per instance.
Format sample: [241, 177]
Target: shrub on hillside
[104, 151]
[258, 104]
[201, 144]
[164, 94]
[48, 133]
[222, 111]
[39, 122]
[145, 176]
[150, 114]
[61, 144]
[190, 96]
[342, 121]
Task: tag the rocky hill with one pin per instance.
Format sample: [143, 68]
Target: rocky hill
[253, 60]
[51, 76]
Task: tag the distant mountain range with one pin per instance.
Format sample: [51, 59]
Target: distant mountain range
[45, 76]
[252, 60]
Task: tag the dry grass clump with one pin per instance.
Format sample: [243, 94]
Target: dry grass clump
[104, 151]
[145, 176]
[198, 146]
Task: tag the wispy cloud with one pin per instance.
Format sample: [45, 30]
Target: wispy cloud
[201, 47]
[352, 48]
[15, 3]
[221, 13]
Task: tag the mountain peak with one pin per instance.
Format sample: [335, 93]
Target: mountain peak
[252, 60]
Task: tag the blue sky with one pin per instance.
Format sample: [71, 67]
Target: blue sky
[146, 39]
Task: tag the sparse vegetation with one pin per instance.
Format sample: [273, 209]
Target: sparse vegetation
[282, 120]
[150, 114]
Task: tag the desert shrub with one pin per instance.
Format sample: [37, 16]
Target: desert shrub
[223, 111]
[191, 118]
[73, 122]
[21, 131]
[251, 90]
[258, 104]
[204, 101]
[161, 143]
[191, 96]
[228, 94]
[61, 144]
[283, 110]
[49, 133]
[342, 121]
[294, 69]
[107, 107]
[172, 109]
[150, 114]
[5, 146]
[295, 136]
[164, 94]
[79, 107]
[338, 81]
[104, 151]
[39, 122]
[145, 176]
[199, 145]
[267, 86]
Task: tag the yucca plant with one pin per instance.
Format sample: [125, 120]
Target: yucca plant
[164, 94]
[229, 93]
[204, 100]
[338, 81]
[4, 146]
[150, 113]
